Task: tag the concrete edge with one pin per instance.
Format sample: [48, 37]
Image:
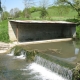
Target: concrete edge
[43, 41]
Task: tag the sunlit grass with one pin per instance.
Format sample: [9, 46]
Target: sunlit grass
[4, 31]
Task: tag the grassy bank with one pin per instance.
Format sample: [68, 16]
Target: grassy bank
[4, 31]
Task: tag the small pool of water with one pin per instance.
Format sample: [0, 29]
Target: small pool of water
[69, 51]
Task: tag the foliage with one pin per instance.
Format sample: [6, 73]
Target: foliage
[26, 13]
[1, 9]
[31, 55]
[15, 13]
[78, 32]
[75, 4]
[76, 72]
[5, 15]
[33, 9]
[43, 12]
[4, 31]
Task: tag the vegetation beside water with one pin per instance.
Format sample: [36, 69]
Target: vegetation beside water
[76, 72]
[30, 54]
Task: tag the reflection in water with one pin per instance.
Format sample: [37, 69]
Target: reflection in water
[76, 48]
[76, 51]
[71, 59]
[68, 50]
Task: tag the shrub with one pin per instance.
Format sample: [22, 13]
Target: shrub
[76, 72]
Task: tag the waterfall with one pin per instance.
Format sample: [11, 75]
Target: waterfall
[21, 56]
[64, 72]
[11, 52]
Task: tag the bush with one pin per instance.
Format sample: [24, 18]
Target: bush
[43, 13]
[78, 32]
[76, 72]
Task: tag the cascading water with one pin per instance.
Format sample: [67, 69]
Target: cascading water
[46, 69]
[12, 52]
[21, 56]
[44, 73]
[64, 72]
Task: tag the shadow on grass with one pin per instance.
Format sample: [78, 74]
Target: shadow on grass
[73, 20]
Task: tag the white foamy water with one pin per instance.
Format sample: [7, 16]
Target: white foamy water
[19, 57]
[45, 73]
[11, 53]
[22, 54]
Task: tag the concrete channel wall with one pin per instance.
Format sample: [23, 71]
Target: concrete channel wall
[20, 31]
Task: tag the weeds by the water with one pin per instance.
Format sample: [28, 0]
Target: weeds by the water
[76, 72]
[30, 54]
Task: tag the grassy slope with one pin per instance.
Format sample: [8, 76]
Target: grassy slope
[55, 14]
[4, 31]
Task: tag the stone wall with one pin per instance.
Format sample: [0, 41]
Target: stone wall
[12, 31]
[40, 31]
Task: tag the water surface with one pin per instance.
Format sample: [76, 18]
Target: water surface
[68, 50]
[18, 69]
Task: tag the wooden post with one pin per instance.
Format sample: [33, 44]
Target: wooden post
[17, 32]
[71, 31]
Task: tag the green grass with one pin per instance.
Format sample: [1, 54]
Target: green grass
[56, 14]
[4, 31]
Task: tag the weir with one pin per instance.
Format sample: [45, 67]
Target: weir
[61, 70]
[39, 61]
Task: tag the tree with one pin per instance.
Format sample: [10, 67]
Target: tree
[33, 9]
[26, 13]
[5, 15]
[44, 5]
[1, 10]
[75, 4]
[15, 13]
[43, 12]
[27, 4]
[12, 12]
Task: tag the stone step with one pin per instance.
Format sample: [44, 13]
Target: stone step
[3, 51]
[4, 48]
